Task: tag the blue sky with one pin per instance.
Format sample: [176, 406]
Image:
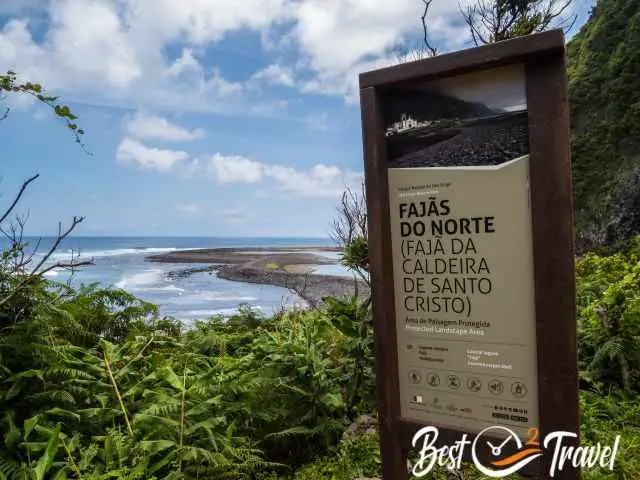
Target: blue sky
[204, 117]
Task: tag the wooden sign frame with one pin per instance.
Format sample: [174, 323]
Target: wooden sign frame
[543, 56]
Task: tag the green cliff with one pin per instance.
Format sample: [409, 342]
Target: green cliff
[604, 90]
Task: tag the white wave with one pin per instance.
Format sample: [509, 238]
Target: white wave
[265, 252]
[147, 278]
[220, 296]
[203, 313]
[116, 252]
[168, 288]
[52, 273]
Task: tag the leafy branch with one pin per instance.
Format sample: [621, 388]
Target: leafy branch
[9, 84]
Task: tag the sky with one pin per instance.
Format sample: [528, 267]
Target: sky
[202, 117]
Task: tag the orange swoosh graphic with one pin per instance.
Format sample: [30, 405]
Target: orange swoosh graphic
[516, 457]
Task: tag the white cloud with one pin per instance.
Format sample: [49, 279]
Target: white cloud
[320, 181]
[202, 21]
[344, 83]
[154, 127]
[275, 74]
[191, 76]
[276, 39]
[234, 169]
[336, 34]
[114, 52]
[341, 38]
[96, 38]
[131, 151]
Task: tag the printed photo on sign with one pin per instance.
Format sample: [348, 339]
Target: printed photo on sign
[474, 119]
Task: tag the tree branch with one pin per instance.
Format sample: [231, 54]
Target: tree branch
[17, 198]
[61, 236]
[432, 49]
[66, 265]
[37, 273]
[491, 21]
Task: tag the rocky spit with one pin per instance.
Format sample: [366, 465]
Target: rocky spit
[286, 267]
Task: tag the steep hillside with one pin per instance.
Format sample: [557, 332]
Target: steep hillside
[425, 105]
[604, 89]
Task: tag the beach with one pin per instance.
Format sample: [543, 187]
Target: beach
[292, 268]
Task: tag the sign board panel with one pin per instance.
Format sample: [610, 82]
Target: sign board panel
[467, 172]
[463, 270]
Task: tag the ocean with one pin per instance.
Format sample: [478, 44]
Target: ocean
[120, 262]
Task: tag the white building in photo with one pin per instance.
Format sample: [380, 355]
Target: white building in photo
[406, 123]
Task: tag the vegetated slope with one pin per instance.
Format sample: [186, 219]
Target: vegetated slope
[604, 90]
[426, 105]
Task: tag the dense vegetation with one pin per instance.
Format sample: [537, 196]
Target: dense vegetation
[95, 385]
[604, 90]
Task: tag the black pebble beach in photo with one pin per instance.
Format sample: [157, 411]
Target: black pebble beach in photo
[429, 129]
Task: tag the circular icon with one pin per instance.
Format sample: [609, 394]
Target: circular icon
[496, 387]
[415, 377]
[474, 384]
[519, 389]
[453, 382]
[433, 379]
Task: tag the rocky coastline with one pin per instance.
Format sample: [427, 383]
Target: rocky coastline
[287, 267]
